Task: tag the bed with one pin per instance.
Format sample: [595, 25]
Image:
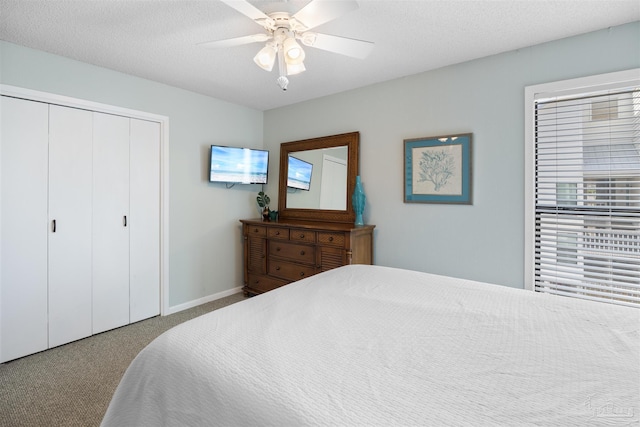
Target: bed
[372, 345]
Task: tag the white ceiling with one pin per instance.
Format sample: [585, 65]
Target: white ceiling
[157, 39]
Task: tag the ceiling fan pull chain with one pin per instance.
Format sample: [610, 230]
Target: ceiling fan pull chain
[283, 81]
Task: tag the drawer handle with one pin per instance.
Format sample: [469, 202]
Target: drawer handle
[301, 252]
[256, 281]
[277, 233]
[302, 236]
[278, 249]
[331, 238]
[302, 274]
[278, 268]
[255, 230]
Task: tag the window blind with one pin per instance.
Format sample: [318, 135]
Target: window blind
[587, 196]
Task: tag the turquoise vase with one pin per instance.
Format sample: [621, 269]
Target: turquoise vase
[358, 199]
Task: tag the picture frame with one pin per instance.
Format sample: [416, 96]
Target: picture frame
[438, 169]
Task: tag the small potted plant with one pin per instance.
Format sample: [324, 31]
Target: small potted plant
[263, 202]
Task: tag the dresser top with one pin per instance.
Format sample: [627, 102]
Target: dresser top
[316, 225]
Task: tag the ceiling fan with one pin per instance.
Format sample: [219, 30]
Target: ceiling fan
[283, 30]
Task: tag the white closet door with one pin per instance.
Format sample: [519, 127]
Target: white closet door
[70, 163]
[145, 219]
[23, 227]
[110, 222]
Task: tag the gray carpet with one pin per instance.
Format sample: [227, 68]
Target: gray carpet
[72, 385]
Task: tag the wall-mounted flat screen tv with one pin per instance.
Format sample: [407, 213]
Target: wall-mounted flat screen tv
[299, 175]
[238, 165]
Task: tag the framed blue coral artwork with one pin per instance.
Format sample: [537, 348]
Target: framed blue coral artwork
[438, 169]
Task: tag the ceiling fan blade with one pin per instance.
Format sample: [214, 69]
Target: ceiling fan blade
[342, 45]
[320, 11]
[237, 41]
[246, 9]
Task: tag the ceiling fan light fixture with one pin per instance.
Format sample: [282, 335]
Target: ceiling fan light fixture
[308, 39]
[293, 53]
[284, 30]
[266, 57]
[293, 69]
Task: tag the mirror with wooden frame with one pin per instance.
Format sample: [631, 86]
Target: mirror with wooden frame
[317, 178]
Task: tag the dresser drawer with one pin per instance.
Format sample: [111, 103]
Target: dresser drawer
[334, 239]
[289, 270]
[278, 233]
[263, 283]
[292, 251]
[297, 235]
[256, 230]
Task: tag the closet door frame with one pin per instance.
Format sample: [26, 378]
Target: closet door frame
[163, 121]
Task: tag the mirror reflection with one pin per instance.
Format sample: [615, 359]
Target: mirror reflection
[317, 179]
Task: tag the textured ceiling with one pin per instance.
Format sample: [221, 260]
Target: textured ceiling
[157, 39]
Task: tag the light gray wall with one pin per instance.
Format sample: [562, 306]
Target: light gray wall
[204, 230]
[483, 241]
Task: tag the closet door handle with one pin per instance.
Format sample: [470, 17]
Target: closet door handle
[125, 220]
[53, 224]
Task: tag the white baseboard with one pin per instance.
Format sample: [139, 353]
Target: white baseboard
[203, 300]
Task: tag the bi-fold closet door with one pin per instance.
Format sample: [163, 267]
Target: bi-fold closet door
[69, 214]
[24, 172]
[110, 222]
[79, 224]
[126, 221]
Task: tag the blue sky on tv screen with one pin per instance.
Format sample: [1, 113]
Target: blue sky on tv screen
[234, 164]
[231, 159]
[299, 170]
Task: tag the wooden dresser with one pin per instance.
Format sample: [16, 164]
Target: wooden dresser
[281, 252]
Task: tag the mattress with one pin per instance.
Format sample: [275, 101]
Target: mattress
[372, 345]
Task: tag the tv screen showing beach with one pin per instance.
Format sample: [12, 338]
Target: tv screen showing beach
[239, 165]
[299, 175]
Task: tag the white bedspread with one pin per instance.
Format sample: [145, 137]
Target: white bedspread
[369, 345]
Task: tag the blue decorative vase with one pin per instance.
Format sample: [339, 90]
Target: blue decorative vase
[358, 200]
